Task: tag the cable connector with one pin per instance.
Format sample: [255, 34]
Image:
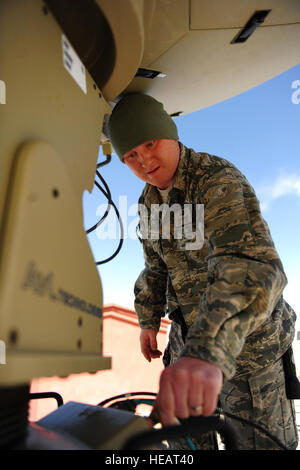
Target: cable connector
[107, 151]
[107, 147]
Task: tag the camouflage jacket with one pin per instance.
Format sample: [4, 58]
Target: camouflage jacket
[229, 290]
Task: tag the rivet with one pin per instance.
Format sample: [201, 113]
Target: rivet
[13, 336]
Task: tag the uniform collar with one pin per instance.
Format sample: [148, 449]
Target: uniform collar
[179, 181]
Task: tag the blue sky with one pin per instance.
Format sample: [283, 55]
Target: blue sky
[259, 132]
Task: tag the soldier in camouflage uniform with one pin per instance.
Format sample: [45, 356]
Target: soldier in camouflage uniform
[230, 323]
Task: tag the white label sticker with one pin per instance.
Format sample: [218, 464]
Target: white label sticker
[73, 64]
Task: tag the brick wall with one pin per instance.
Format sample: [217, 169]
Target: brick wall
[130, 372]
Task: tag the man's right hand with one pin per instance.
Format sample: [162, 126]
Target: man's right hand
[149, 344]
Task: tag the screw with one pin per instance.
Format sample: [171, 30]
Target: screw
[13, 336]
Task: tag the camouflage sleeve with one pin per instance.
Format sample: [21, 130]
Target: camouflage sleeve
[245, 275]
[150, 289]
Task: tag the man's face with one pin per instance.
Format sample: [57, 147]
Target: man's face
[154, 162]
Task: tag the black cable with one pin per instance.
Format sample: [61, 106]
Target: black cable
[190, 426]
[126, 395]
[107, 194]
[254, 425]
[100, 221]
[108, 159]
[56, 396]
[121, 238]
[147, 438]
[198, 425]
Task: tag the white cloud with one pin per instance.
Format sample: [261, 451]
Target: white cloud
[282, 186]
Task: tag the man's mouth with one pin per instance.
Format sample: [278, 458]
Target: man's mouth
[152, 171]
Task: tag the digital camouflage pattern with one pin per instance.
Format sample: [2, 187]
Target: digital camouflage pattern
[230, 290]
[261, 398]
[258, 397]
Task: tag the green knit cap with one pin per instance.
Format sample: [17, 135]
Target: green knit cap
[136, 119]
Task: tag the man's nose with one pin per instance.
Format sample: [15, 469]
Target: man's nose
[144, 156]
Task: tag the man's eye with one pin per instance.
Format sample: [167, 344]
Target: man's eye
[130, 155]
